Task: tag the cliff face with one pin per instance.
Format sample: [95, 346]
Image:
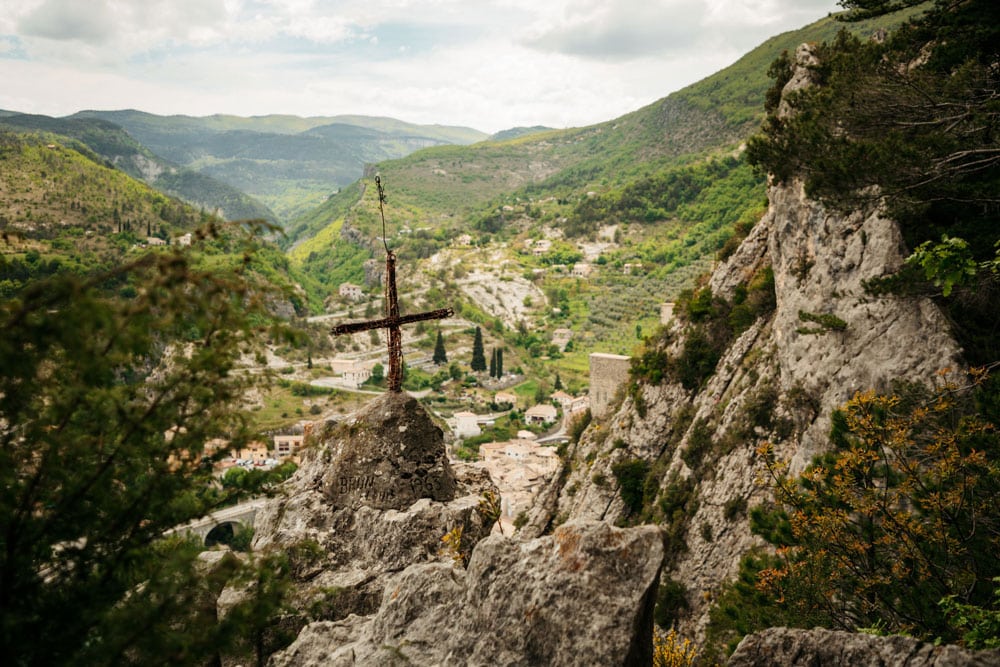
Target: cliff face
[778, 382]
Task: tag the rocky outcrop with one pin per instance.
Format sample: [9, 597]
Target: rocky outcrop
[805, 648]
[826, 338]
[374, 495]
[362, 522]
[582, 596]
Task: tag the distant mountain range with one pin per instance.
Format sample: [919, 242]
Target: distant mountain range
[289, 163]
[270, 167]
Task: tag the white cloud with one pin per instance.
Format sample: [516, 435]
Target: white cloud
[8, 46]
[69, 20]
[624, 29]
[487, 64]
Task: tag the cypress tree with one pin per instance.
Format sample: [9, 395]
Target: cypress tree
[499, 362]
[478, 357]
[440, 355]
[493, 363]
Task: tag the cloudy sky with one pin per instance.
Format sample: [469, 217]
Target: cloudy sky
[488, 65]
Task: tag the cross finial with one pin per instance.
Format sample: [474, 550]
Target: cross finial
[392, 320]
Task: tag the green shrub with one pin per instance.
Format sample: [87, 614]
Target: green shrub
[631, 476]
[671, 602]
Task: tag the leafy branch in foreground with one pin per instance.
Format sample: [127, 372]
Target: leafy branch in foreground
[105, 406]
[903, 513]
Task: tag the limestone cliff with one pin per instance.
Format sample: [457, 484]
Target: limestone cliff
[778, 381]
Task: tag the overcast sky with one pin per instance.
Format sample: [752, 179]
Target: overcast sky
[487, 65]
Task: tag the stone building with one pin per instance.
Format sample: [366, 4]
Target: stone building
[351, 291]
[666, 312]
[353, 372]
[608, 372]
[520, 468]
[543, 413]
[285, 446]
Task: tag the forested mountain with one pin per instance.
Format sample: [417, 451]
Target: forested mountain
[290, 163]
[670, 176]
[816, 430]
[710, 117]
[121, 150]
[64, 210]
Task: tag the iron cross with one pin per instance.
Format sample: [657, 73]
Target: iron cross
[392, 320]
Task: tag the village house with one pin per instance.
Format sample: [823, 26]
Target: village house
[543, 413]
[253, 453]
[578, 404]
[353, 372]
[463, 239]
[184, 239]
[467, 425]
[350, 291]
[562, 398]
[154, 241]
[541, 247]
[631, 268]
[582, 270]
[285, 446]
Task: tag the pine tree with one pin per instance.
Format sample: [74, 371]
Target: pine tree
[478, 356]
[440, 355]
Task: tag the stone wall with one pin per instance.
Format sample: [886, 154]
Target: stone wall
[608, 372]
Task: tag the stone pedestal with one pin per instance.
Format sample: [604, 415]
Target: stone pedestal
[388, 457]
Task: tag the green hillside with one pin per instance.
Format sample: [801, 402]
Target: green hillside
[64, 210]
[116, 147]
[290, 163]
[656, 194]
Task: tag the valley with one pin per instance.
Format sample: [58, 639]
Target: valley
[751, 325]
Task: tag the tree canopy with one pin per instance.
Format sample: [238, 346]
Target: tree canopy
[895, 529]
[909, 123]
[478, 362]
[105, 408]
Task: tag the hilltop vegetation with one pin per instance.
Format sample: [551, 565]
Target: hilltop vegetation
[117, 148]
[62, 210]
[290, 163]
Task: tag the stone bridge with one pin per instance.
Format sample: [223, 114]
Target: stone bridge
[221, 522]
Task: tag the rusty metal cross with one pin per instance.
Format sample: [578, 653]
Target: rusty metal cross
[392, 320]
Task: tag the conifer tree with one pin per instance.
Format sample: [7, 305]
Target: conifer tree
[493, 363]
[440, 355]
[558, 384]
[499, 362]
[478, 356]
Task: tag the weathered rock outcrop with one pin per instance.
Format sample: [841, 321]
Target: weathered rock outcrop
[805, 648]
[778, 382]
[373, 496]
[362, 523]
[583, 596]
